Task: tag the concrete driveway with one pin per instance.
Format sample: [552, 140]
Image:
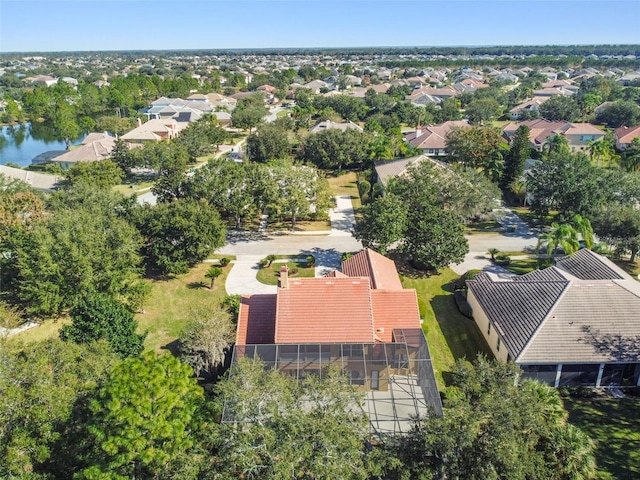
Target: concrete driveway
[326, 246]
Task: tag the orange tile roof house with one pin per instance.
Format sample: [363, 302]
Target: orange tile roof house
[360, 318]
[626, 135]
[432, 139]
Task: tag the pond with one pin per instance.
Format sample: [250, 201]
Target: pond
[19, 144]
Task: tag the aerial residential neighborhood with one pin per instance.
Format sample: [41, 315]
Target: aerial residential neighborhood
[249, 244]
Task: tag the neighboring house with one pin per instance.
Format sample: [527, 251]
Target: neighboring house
[96, 147]
[316, 85]
[432, 139]
[629, 78]
[531, 105]
[154, 130]
[329, 125]
[360, 319]
[576, 323]
[40, 181]
[388, 169]
[45, 80]
[578, 135]
[553, 91]
[165, 107]
[439, 93]
[220, 102]
[626, 135]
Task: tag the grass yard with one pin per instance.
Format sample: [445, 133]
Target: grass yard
[451, 336]
[270, 275]
[346, 184]
[615, 425]
[485, 226]
[173, 301]
[47, 329]
[531, 219]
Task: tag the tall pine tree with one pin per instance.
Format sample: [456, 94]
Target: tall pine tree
[514, 161]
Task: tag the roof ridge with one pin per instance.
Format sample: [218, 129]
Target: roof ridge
[373, 273]
[544, 319]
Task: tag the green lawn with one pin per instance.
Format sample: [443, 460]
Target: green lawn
[169, 306]
[270, 275]
[615, 425]
[346, 184]
[533, 220]
[172, 303]
[451, 336]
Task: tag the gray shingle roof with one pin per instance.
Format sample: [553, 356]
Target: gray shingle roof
[516, 309]
[586, 265]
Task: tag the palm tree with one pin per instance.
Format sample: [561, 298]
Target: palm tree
[493, 252]
[213, 273]
[573, 450]
[561, 235]
[519, 189]
[584, 228]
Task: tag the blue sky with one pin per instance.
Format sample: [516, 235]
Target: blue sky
[53, 25]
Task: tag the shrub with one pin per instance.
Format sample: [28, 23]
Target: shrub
[294, 271]
[422, 307]
[462, 304]
[264, 263]
[346, 256]
[311, 261]
[224, 261]
[232, 304]
[503, 260]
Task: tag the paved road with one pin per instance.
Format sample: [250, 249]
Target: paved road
[326, 246]
[517, 237]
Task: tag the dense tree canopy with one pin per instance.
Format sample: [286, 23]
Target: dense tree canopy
[477, 147]
[334, 149]
[496, 427]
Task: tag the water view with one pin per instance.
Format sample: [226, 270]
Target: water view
[19, 144]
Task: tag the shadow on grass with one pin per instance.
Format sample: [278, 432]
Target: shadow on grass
[172, 347]
[196, 285]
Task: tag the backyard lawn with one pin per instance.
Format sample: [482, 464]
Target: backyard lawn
[346, 184]
[451, 336]
[615, 425]
[169, 306]
[172, 302]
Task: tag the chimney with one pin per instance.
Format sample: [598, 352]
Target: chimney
[283, 280]
[418, 131]
[139, 122]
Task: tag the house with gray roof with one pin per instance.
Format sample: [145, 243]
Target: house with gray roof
[573, 324]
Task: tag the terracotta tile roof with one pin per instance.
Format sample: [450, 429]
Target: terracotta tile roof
[627, 134]
[394, 309]
[324, 310]
[380, 270]
[256, 319]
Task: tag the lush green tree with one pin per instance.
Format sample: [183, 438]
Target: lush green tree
[299, 191]
[114, 125]
[124, 157]
[172, 176]
[40, 384]
[619, 225]
[180, 233]
[249, 112]
[434, 238]
[268, 142]
[631, 157]
[482, 111]
[619, 114]
[77, 249]
[202, 137]
[333, 148]
[449, 110]
[496, 426]
[205, 340]
[143, 418]
[519, 151]
[65, 123]
[285, 428]
[102, 174]
[567, 183]
[477, 147]
[383, 223]
[555, 144]
[560, 107]
[98, 316]
[237, 190]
